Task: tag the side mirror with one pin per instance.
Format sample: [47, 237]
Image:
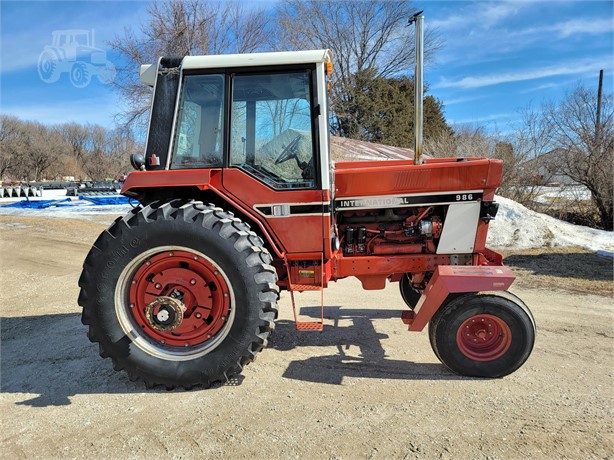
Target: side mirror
[137, 160]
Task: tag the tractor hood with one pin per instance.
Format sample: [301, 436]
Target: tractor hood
[390, 180]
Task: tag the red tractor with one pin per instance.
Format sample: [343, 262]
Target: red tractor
[239, 200]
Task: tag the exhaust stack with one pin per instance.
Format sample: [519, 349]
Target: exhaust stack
[418, 19]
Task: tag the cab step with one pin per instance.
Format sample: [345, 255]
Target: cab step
[292, 287]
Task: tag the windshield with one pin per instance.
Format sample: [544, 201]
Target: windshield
[271, 133]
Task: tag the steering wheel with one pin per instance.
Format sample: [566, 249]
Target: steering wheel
[289, 152]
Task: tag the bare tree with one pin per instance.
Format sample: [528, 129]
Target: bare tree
[75, 135]
[477, 141]
[106, 152]
[180, 28]
[42, 148]
[11, 144]
[586, 146]
[464, 141]
[367, 37]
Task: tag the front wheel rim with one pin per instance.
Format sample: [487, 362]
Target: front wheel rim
[484, 337]
[191, 277]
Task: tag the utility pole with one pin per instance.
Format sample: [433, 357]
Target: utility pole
[598, 121]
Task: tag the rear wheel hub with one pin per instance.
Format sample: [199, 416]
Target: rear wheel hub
[165, 314]
[179, 298]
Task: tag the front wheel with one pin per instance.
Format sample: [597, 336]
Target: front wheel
[179, 294]
[483, 335]
[410, 295]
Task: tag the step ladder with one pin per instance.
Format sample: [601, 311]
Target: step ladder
[308, 325]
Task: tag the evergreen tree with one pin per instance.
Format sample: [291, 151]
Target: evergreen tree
[380, 109]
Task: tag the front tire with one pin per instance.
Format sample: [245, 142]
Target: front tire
[169, 255]
[409, 294]
[483, 334]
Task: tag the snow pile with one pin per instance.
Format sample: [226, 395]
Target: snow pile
[517, 227]
[571, 192]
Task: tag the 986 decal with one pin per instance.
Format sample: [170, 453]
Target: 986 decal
[465, 197]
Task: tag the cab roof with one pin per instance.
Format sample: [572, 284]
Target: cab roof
[148, 72]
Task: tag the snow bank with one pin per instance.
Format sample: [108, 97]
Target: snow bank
[517, 227]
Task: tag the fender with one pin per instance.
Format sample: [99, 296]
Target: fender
[203, 179]
[451, 279]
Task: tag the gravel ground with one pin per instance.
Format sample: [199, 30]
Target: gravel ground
[363, 388]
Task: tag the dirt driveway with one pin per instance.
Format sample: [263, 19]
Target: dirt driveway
[364, 388]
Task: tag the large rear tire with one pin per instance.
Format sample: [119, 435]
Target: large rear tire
[179, 294]
[483, 335]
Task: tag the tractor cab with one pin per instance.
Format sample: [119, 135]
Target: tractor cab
[265, 115]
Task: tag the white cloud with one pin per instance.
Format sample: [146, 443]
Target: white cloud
[586, 26]
[462, 100]
[485, 118]
[479, 15]
[572, 68]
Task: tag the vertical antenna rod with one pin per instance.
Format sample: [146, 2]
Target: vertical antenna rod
[418, 19]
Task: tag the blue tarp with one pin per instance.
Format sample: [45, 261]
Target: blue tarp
[38, 204]
[64, 202]
[106, 200]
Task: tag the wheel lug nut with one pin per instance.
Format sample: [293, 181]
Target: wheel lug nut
[192, 281]
[148, 263]
[162, 342]
[198, 315]
[133, 281]
[208, 336]
[131, 305]
[186, 344]
[223, 318]
[225, 294]
[171, 254]
[195, 257]
[216, 272]
[158, 285]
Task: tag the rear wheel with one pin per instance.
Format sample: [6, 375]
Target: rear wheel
[483, 335]
[179, 294]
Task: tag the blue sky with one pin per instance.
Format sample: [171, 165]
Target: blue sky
[498, 57]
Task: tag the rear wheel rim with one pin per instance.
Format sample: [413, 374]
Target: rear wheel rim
[484, 337]
[189, 276]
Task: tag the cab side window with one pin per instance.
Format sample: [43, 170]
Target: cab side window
[199, 136]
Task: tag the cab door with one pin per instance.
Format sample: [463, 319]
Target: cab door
[274, 162]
